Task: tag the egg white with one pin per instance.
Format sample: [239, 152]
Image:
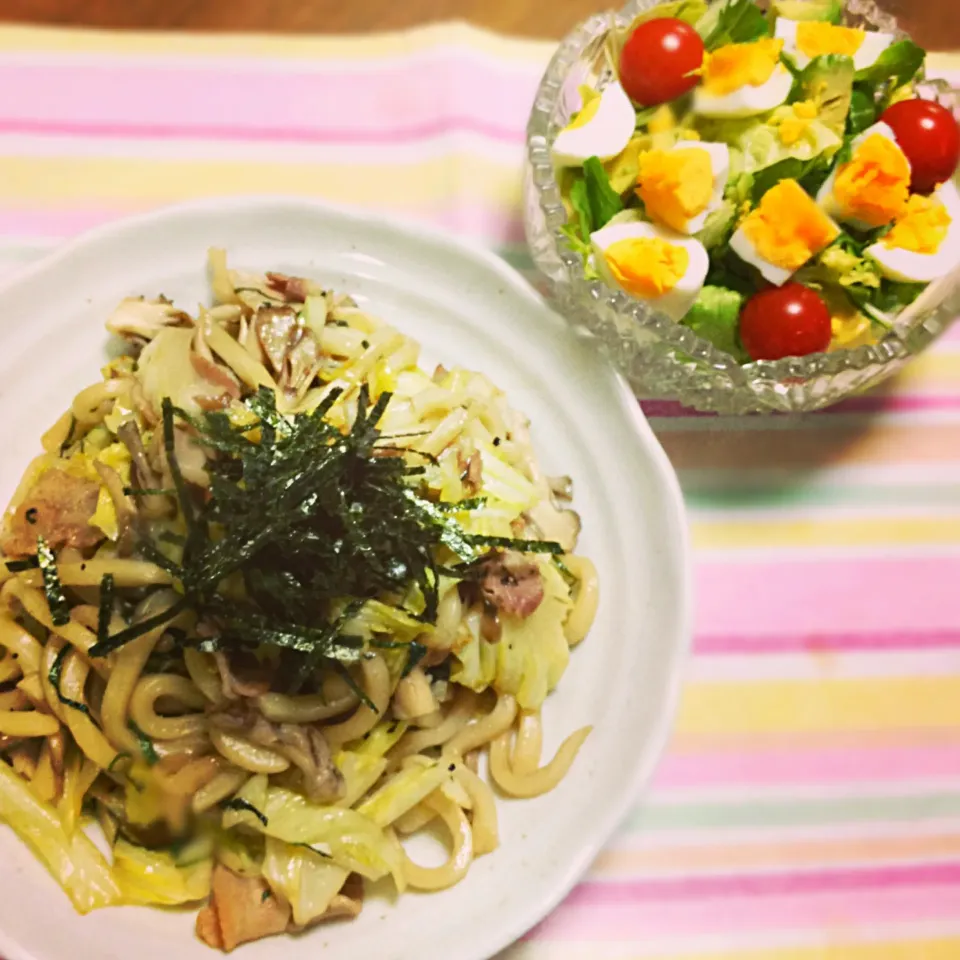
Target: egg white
[720, 170]
[748, 100]
[825, 197]
[873, 45]
[604, 135]
[744, 248]
[910, 267]
[676, 302]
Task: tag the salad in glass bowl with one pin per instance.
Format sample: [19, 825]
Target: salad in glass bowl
[777, 184]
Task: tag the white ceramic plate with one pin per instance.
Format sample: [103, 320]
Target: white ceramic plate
[465, 307]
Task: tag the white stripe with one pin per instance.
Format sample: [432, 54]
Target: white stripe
[526, 65]
[817, 665]
[798, 792]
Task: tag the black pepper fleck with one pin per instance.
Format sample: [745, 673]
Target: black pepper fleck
[31, 515]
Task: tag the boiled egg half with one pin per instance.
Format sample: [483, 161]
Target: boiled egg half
[806, 40]
[870, 189]
[601, 129]
[924, 243]
[653, 264]
[785, 230]
[743, 79]
[682, 186]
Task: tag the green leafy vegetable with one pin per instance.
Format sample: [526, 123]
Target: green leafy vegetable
[829, 11]
[52, 587]
[809, 173]
[603, 201]
[900, 62]
[735, 21]
[715, 316]
[580, 202]
[719, 227]
[56, 669]
[828, 81]
[147, 748]
[863, 110]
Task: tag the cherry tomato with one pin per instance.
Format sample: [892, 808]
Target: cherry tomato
[787, 321]
[657, 59]
[928, 134]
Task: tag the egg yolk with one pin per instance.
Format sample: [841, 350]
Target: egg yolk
[816, 39]
[788, 228]
[922, 228]
[740, 64]
[586, 114]
[875, 184]
[675, 185]
[850, 329]
[792, 128]
[647, 266]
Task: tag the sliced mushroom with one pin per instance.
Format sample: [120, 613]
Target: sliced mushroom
[292, 289]
[138, 317]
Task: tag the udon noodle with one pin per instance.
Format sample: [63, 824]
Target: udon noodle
[257, 727]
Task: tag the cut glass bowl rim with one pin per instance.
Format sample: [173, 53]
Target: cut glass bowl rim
[540, 132]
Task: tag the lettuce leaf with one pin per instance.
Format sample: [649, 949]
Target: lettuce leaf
[736, 21]
[715, 316]
[900, 62]
[603, 201]
[863, 111]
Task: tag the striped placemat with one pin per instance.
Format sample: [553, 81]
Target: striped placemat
[809, 805]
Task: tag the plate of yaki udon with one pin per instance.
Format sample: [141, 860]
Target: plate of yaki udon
[343, 593]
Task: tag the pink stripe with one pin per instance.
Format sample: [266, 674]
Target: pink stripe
[478, 220]
[869, 403]
[374, 136]
[589, 919]
[766, 884]
[421, 91]
[865, 594]
[716, 645]
[794, 765]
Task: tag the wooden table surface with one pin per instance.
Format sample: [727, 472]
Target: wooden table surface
[934, 23]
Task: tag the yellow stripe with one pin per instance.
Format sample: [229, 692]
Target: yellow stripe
[948, 949]
[360, 47]
[52, 181]
[942, 61]
[824, 532]
[711, 711]
[932, 372]
[673, 859]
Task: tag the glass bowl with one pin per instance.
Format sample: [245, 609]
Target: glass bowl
[660, 358]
